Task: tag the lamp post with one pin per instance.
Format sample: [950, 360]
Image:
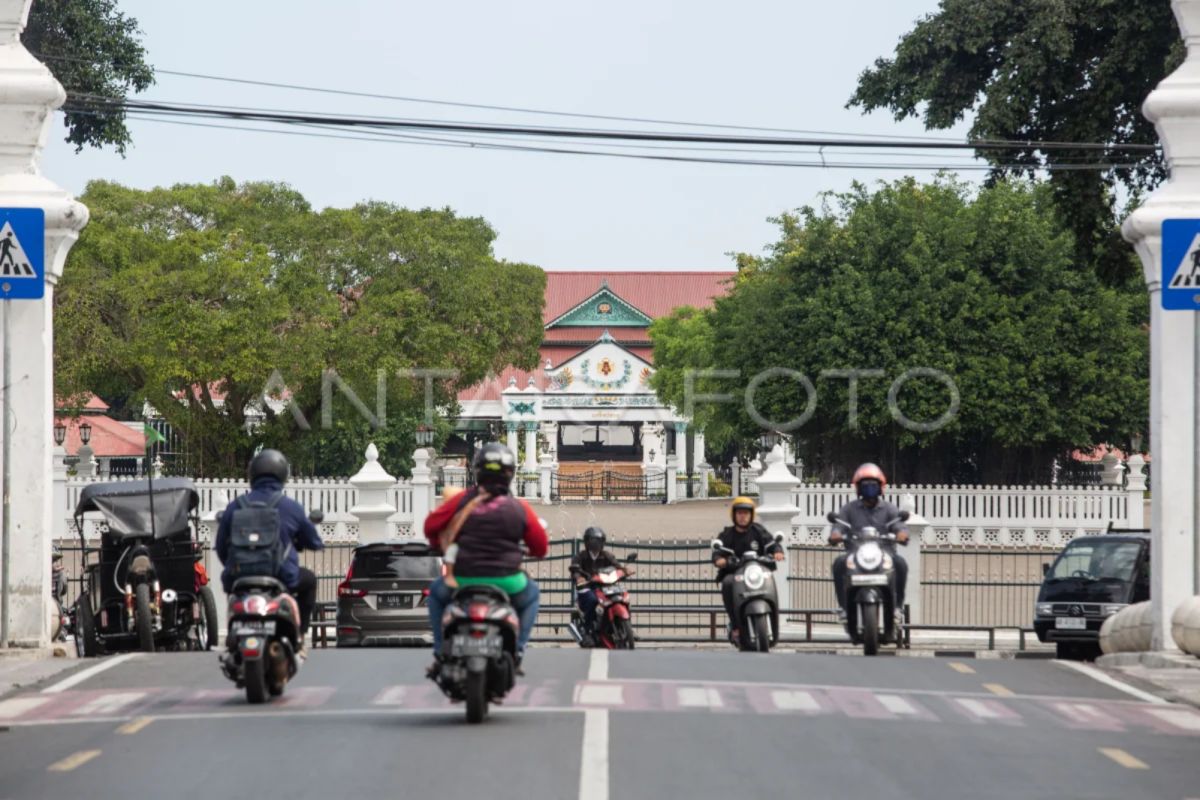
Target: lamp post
[768, 439]
[60, 433]
[424, 435]
[85, 432]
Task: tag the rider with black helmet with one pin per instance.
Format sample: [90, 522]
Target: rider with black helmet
[584, 566]
[488, 526]
[267, 472]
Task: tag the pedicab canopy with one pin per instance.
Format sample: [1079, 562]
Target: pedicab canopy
[126, 506]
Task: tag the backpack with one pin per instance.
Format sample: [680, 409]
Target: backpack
[256, 544]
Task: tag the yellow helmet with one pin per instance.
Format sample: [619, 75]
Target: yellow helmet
[741, 502]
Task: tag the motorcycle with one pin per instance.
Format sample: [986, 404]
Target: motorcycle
[263, 635]
[871, 586]
[479, 649]
[755, 598]
[613, 629]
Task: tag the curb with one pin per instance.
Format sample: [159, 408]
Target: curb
[982, 655]
[1152, 660]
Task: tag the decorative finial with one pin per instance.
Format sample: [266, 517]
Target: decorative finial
[512, 381]
[372, 452]
[606, 336]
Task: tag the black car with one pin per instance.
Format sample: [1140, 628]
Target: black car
[382, 601]
[1093, 578]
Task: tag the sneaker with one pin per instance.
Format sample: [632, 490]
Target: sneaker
[517, 664]
[434, 670]
[301, 652]
[899, 618]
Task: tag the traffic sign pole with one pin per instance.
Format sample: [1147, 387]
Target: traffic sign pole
[6, 550]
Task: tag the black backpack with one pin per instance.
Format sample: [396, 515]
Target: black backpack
[256, 544]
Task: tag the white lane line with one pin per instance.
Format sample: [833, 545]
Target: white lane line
[90, 672]
[786, 700]
[1108, 680]
[1179, 717]
[896, 704]
[16, 706]
[593, 764]
[598, 666]
[977, 708]
[699, 697]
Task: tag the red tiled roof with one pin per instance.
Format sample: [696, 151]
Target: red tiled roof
[1102, 450]
[653, 293]
[109, 437]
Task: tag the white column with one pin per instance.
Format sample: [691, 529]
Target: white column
[422, 491]
[1136, 488]
[371, 507]
[550, 437]
[672, 483]
[917, 525]
[545, 477]
[776, 509]
[698, 457]
[1174, 107]
[58, 506]
[213, 564]
[514, 444]
[531, 454]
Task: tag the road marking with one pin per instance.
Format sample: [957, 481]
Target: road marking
[601, 694]
[391, 696]
[978, 708]
[958, 666]
[72, 761]
[1088, 715]
[16, 706]
[1179, 717]
[896, 704]
[135, 725]
[1124, 759]
[598, 666]
[699, 697]
[90, 672]
[792, 700]
[1108, 680]
[593, 764]
[109, 703]
[997, 689]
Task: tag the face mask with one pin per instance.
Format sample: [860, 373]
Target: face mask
[871, 490]
[594, 548]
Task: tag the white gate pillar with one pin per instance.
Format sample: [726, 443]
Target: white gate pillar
[371, 507]
[422, 491]
[1174, 108]
[28, 96]
[776, 509]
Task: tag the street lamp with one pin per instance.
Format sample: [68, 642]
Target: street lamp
[85, 432]
[1135, 442]
[768, 440]
[60, 433]
[424, 435]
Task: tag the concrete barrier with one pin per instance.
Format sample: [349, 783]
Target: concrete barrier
[1129, 630]
[1185, 626]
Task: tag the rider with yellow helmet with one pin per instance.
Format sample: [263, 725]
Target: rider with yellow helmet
[743, 535]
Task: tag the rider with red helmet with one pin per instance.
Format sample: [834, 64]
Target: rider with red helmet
[869, 510]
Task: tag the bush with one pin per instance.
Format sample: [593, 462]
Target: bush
[718, 487]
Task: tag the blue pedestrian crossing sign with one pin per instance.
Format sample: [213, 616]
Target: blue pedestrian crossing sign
[22, 253]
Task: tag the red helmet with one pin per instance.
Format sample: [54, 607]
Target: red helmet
[869, 472]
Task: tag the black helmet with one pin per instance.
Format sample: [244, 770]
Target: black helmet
[494, 467]
[594, 534]
[270, 463]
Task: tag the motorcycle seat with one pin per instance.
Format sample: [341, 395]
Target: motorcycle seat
[482, 591]
[260, 582]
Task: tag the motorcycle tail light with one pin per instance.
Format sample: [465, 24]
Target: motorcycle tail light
[477, 633]
[256, 604]
[478, 612]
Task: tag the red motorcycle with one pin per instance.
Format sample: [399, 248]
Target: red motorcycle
[614, 625]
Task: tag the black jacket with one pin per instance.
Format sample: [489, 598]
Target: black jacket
[584, 564]
[754, 538]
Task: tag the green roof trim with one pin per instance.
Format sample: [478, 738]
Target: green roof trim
[603, 309]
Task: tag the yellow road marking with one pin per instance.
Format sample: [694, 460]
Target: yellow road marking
[996, 688]
[135, 725]
[1124, 759]
[958, 666]
[71, 762]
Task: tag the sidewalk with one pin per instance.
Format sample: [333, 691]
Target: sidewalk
[21, 667]
[1173, 676]
[1005, 640]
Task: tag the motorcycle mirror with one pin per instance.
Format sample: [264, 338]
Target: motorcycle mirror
[716, 544]
[220, 515]
[631, 557]
[1045, 570]
[316, 516]
[545, 525]
[832, 517]
[778, 537]
[904, 515]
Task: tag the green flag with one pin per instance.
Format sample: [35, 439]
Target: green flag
[152, 435]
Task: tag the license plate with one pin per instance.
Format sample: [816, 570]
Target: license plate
[470, 646]
[394, 600]
[261, 627]
[1070, 623]
[869, 580]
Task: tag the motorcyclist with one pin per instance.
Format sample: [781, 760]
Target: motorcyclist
[489, 526]
[869, 510]
[743, 535]
[267, 472]
[584, 567]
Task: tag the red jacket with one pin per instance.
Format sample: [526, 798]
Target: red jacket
[490, 539]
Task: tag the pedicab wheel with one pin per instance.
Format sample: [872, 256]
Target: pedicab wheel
[622, 634]
[870, 624]
[477, 704]
[762, 633]
[256, 681]
[206, 625]
[142, 618]
[86, 644]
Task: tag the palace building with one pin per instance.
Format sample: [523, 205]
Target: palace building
[590, 399]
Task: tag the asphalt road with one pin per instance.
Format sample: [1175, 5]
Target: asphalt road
[647, 724]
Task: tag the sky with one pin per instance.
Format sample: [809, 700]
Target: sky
[777, 64]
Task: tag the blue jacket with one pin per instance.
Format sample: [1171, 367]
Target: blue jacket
[297, 530]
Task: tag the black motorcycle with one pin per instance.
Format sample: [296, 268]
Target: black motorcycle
[755, 598]
[479, 649]
[871, 585]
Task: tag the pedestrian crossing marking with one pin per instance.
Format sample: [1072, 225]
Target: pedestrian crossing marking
[791, 700]
[1124, 759]
[391, 696]
[896, 704]
[699, 697]
[978, 708]
[109, 703]
[601, 694]
[14, 263]
[17, 706]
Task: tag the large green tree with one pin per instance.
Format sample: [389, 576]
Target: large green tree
[96, 53]
[980, 287]
[1046, 71]
[200, 298]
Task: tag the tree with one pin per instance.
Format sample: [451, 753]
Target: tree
[1057, 71]
[95, 52]
[980, 287]
[201, 299]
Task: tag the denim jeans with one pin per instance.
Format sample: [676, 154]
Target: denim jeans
[526, 603]
[587, 604]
